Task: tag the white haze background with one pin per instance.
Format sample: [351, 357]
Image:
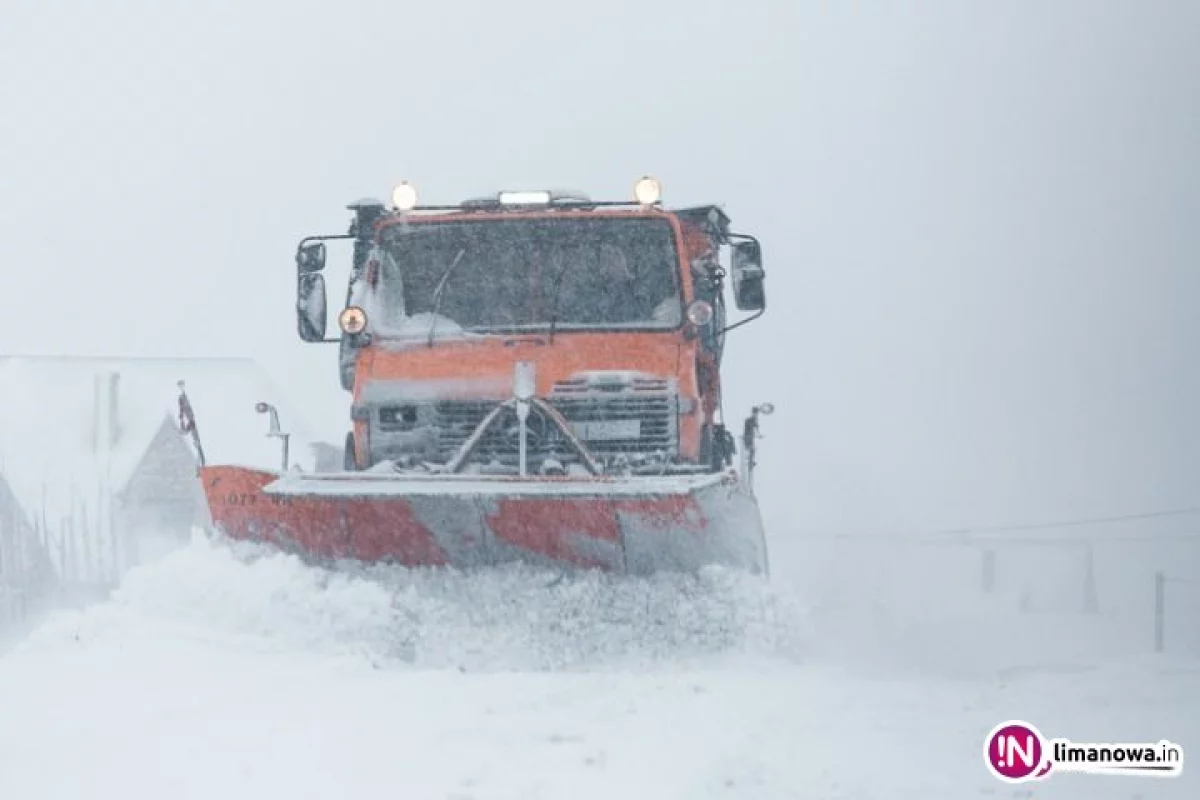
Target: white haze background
[977, 217]
[979, 228]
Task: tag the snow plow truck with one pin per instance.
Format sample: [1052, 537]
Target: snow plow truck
[533, 376]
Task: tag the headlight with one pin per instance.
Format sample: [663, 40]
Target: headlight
[648, 191]
[700, 313]
[404, 196]
[352, 320]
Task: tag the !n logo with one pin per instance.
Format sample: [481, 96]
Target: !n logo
[1015, 752]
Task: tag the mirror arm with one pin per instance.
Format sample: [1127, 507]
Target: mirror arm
[307, 240]
[744, 237]
[740, 323]
[324, 238]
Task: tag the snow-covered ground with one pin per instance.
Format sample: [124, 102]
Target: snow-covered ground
[246, 674]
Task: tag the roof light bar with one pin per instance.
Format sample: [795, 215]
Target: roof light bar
[540, 198]
[647, 192]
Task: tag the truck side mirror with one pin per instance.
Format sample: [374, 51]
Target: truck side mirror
[310, 258]
[311, 306]
[748, 276]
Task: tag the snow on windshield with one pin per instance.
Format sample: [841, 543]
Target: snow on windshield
[504, 275]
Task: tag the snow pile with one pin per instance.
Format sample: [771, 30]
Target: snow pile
[236, 672]
[421, 326]
[518, 617]
[507, 618]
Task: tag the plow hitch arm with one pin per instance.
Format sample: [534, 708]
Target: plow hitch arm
[455, 464]
[521, 401]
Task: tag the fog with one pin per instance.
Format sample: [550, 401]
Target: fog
[976, 218]
[979, 230]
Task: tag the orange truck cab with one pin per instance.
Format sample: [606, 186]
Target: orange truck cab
[614, 313]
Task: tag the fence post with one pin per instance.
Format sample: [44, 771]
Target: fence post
[1091, 599]
[1160, 602]
[989, 570]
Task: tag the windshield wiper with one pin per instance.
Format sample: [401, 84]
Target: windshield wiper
[437, 293]
[558, 279]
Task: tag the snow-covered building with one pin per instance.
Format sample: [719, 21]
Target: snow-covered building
[15, 531]
[94, 459]
[25, 570]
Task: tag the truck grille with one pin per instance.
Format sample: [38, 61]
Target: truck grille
[609, 420]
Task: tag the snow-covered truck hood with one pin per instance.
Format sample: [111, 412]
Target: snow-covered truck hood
[484, 367]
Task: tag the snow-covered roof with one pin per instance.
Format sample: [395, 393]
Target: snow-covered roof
[47, 419]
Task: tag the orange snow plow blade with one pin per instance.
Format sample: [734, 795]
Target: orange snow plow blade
[637, 525]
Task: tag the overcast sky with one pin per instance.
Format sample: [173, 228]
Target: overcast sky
[978, 218]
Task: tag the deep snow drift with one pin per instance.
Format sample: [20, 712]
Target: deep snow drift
[513, 618]
[237, 672]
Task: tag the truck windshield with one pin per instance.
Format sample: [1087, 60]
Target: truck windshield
[523, 274]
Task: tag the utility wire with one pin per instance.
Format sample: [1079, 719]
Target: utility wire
[1078, 522]
[1073, 523]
